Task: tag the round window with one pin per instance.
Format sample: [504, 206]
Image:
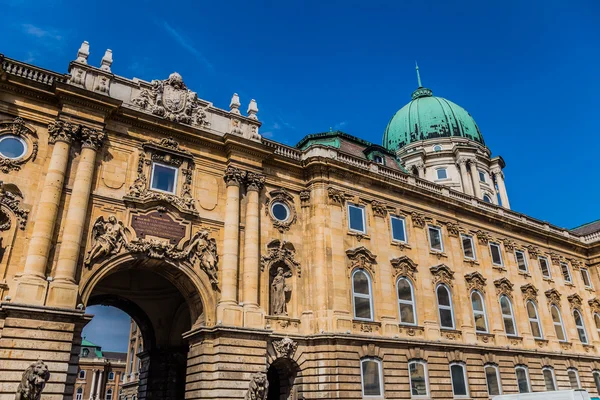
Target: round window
[12, 146]
[280, 211]
[437, 147]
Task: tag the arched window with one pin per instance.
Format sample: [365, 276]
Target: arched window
[111, 376]
[549, 379]
[573, 378]
[492, 377]
[85, 352]
[460, 386]
[109, 394]
[372, 384]
[487, 198]
[444, 300]
[479, 312]
[507, 316]
[79, 394]
[558, 324]
[534, 320]
[82, 374]
[361, 294]
[596, 375]
[522, 379]
[580, 326]
[406, 302]
[597, 322]
[419, 385]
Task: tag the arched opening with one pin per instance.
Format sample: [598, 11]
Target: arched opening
[282, 374]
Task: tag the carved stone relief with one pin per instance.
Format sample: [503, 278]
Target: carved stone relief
[483, 237]
[503, 286]
[475, 281]
[553, 296]
[337, 196]
[18, 128]
[280, 263]
[509, 244]
[305, 198]
[594, 305]
[575, 301]
[379, 209]
[418, 219]
[442, 274]
[454, 229]
[534, 251]
[529, 292]
[361, 257]
[285, 347]
[12, 203]
[404, 266]
[280, 251]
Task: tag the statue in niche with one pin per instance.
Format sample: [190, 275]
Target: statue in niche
[109, 237]
[204, 249]
[280, 291]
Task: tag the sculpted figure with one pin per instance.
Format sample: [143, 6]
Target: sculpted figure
[204, 249]
[109, 236]
[279, 292]
[259, 387]
[33, 382]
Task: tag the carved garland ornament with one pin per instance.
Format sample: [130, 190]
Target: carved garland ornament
[529, 292]
[285, 347]
[442, 274]
[475, 281]
[361, 257]
[11, 202]
[418, 219]
[280, 251]
[454, 229]
[503, 286]
[305, 198]
[284, 197]
[509, 244]
[336, 195]
[404, 266]
[534, 251]
[18, 128]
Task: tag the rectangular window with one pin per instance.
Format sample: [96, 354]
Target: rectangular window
[482, 176]
[545, 267]
[435, 238]
[566, 272]
[493, 380]
[468, 247]
[356, 218]
[459, 380]
[371, 378]
[522, 379]
[378, 159]
[164, 178]
[496, 254]
[585, 275]
[398, 229]
[521, 261]
[417, 371]
[442, 173]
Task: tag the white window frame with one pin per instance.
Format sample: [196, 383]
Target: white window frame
[489, 199]
[174, 178]
[564, 264]
[549, 276]
[437, 147]
[524, 260]
[559, 323]
[553, 378]
[483, 312]
[437, 174]
[497, 370]
[464, 370]
[462, 238]
[381, 159]
[392, 217]
[580, 327]
[109, 392]
[574, 370]
[512, 316]
[440, 307]
[524, 368]
[79, 393]
[536, 319]
[364, 218]
[364, 296]
[23, 142]
[586, 272]
[596, 376]
[80, 373]
[412, 303]
[362, 374]
[492, 244]
[596, 317]
[426, 372]
[437, 228]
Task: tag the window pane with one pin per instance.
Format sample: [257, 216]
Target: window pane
[544, 267]
[407, 314]
[582, 336]
[371, 380]
[492, 381]
[468, 247]
[509, 326]
[535, 329]
[505, 305]
[482, 176]
[597, 321]
[398, 229]
[446, 319]
[361, 283]
[356, 218]
[549, 379]
[163, 178]
[496, 257]
[522, 264]
[443, 296]
[480, 325]
[522, 380]
[597, 381]
[560, 335]
[531, 310]
[435, 238]
[459, 386]
[418, 384]
[404, 290]
[573, 379]
[477, 302]
[565, 271]
[442, 174]
[586, 277]
[362, 307]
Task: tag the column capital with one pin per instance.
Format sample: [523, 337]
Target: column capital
[234, 176]
[462, 161]
[420, 166]
[62, 131]
[254, 181]
[92, 138]
[496, 171]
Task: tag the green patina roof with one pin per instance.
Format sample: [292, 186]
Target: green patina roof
[97, 349]
[429, 117]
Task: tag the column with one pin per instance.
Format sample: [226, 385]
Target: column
[464, 175]
[475, 179]
[501, 187]
[99, 387]
[93, 387]
[68, 256]
[234, 179]
[421, 170]
[254, 183]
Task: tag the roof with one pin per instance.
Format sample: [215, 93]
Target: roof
[588, 228]
[97, 349]
[115, 355]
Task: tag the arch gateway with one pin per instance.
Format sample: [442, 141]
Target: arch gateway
[256, 270]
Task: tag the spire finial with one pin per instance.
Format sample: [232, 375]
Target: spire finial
[418, 74]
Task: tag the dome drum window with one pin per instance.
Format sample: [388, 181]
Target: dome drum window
[18, 145]
[280, 209]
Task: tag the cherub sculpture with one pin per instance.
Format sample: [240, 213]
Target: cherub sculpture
[108, 238]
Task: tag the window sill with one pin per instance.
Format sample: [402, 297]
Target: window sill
[589, 289]
[525, 274]
[359, 235]
[550, 280]
[438, 254]
[402, 245]
[570, 284]
[471, 261]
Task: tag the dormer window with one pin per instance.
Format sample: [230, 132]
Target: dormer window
[442, 173]
[378, 159]
[164, 178]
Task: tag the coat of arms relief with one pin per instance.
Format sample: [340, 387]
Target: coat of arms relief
[172, 100]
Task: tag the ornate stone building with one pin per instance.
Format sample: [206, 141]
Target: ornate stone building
[134, 363]
[334, 269]
[100, 374]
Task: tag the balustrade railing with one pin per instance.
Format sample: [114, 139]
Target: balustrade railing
[27, 71]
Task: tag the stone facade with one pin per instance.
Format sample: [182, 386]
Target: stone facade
[145, 197]
[100, 374]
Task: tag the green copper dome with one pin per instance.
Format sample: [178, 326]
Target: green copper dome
[429, 117]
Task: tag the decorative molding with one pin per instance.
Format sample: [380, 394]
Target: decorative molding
[555, 257]
[62, 131]
[92, 138]
[418, 219]
[254, 181]
[594, 305]
[234, 176]
[285, 348]
[304, 198]
[483, 237]
[336, 195]
[533, 251]
[404, 266]
[280, 251]
[453, 228]
[475, 281]
[18, 128]
[503, 286]
[509, 244]
[379, 209]
[442, 274]
[361, 257]
[455, 356]
[258, 388]
[12, 203]
[553, 296]
[529, 292]
[366, 327]
[285, 197]
[575, 301]
[451, 334]
[416, 353]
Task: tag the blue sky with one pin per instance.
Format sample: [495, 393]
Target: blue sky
[526, 70]
[109, 328]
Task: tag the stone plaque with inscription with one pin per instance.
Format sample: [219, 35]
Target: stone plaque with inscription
[160, 225]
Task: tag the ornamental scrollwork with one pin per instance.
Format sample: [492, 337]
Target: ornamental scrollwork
[286, 198]
[442, 274]
[285, 348]
[62, 131]
[418, 219]
[12, 202]
[254, 181]
[361, 257]
[534, 251]
[336, 195]
[529, 292]
[594, 305]
[575, 301]
[454, 229]
[503, 286]
[92, 138]
[280, 251]
[553, 296]
[379, 208]
[475, 281]
[404, 266]
[18, 128]
[483, 237]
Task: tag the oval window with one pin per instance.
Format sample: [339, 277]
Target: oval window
[12, 146]
[280, 211]
[437, 147]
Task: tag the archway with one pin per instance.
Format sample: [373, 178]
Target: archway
[282, 374]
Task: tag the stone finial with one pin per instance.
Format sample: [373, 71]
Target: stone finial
[252, 109]
[234, 105]
[106, 61]
[83, 52]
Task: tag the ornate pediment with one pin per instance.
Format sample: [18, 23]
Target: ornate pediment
[172, 100]
[475, 281]
[404, 266]
[442, 274]
[553, 296]
[529, 292]
[361, 257]
[11, 202]
[594, 304]
[575, 301]
[280, 251]
[503, 286]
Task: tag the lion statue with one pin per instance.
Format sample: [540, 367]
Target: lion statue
[33, 381]
[259, 387]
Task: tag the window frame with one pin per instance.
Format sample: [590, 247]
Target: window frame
[527, 380]
[483, 312]
[558, 323]
[576, 372]
[362, 377]
[437, 174]
[82, 371]
[545, 259]
[512, 316]
[464, 236]
[79, 393]
[109, 394]
[596, 318]
[466, 379]
[381, 158]
[524, 261]
[23, 142]
[536, 319]
[364, 218]
[580, 327]
[285, 206]
[494, 244]
[369, 296]
[568, 270]
[497, 371]
[392, 217]
[553, 375]
[451, 306]
[482, 176]
[175, 177]
[412, 303]
[439, 230]
[111, 376]
[426, 373]
[586, 272]
[596, 376]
